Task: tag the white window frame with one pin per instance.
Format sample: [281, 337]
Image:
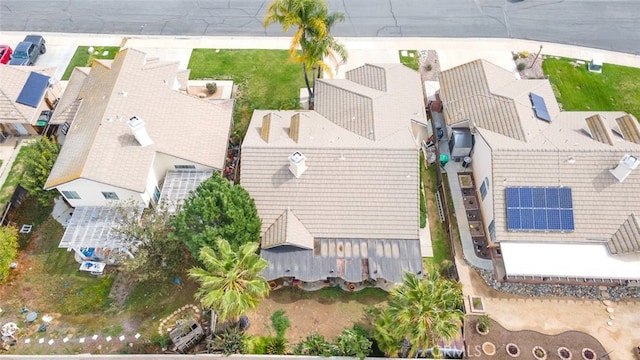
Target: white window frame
[71, 195]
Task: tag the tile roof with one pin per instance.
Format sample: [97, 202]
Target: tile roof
[287, 230]
[491, 98]
[358, 189]
[13, 80]
[70, 101]
[565, 155]
[363, 105]
[627, 238]
[101, 147]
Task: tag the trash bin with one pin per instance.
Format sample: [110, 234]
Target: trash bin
[444, 159]
[466, 162]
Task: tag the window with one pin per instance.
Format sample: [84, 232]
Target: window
[110, 195]
[492, 231]
[484, 187]
[65, 128]
[156, 195]
[70, 195]
[184, 167]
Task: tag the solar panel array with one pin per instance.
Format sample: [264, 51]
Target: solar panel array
[33, 89]
[539, 209]
[539, 107]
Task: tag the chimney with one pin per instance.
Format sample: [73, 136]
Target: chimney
[625, 167]
[297, 164]
[139, 131]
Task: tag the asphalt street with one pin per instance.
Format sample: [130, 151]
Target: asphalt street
[604, 24]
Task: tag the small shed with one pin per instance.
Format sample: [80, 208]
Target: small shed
[595, 65]
[186, 334]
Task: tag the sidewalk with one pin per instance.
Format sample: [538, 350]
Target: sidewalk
[451, 51]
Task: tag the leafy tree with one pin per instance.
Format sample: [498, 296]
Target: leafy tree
[315, 345]
[217, 209]
[353, 342]
[313, 22]
[157, 255]
[422, 312]
[280, 323]
[39, 159]
[8, 250]
[230, 282]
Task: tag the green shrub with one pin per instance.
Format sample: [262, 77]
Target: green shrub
[521, 66]
[276, 346]
[231, 341]
[314, 345]
[211, 88]
[280, 323]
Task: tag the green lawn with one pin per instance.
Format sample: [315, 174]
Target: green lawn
[14, 176]
[411, 60]
[265, 78]
[617, 88]
[439, 238]
[83, 58]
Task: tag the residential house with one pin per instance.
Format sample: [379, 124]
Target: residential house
[131, 134]
[558, 189]
[337, 188]
[27, 96]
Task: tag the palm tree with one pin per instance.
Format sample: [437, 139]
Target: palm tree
[425, 311]
[314, 23]
[230, 282]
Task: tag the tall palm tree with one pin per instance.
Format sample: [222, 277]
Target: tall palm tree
[230, 282]
[314, 22]
[425, 311]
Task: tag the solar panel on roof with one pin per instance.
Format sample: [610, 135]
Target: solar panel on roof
[33, 89]
[539, 209]
[539, 107]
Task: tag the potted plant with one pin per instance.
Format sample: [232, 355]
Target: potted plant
[564, 353]
[513, 350]
[539, 353]
[483, 324]
[588, 354]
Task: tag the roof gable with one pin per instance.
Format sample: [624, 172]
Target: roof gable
[287, 230]
[599, 130]
[468, 93]
[627, 238]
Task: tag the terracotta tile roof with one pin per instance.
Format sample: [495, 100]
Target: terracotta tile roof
[627, 238]
[101, 147]
[13, 80]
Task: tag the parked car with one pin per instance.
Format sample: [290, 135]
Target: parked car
[27, 52]
[5, 54]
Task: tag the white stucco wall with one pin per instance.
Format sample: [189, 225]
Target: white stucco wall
[91, 193]
[482, 168]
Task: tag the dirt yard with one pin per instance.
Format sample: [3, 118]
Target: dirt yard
[324, 312]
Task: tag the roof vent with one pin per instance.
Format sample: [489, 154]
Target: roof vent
[297, 164]
[139, 131]
[625, 167]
